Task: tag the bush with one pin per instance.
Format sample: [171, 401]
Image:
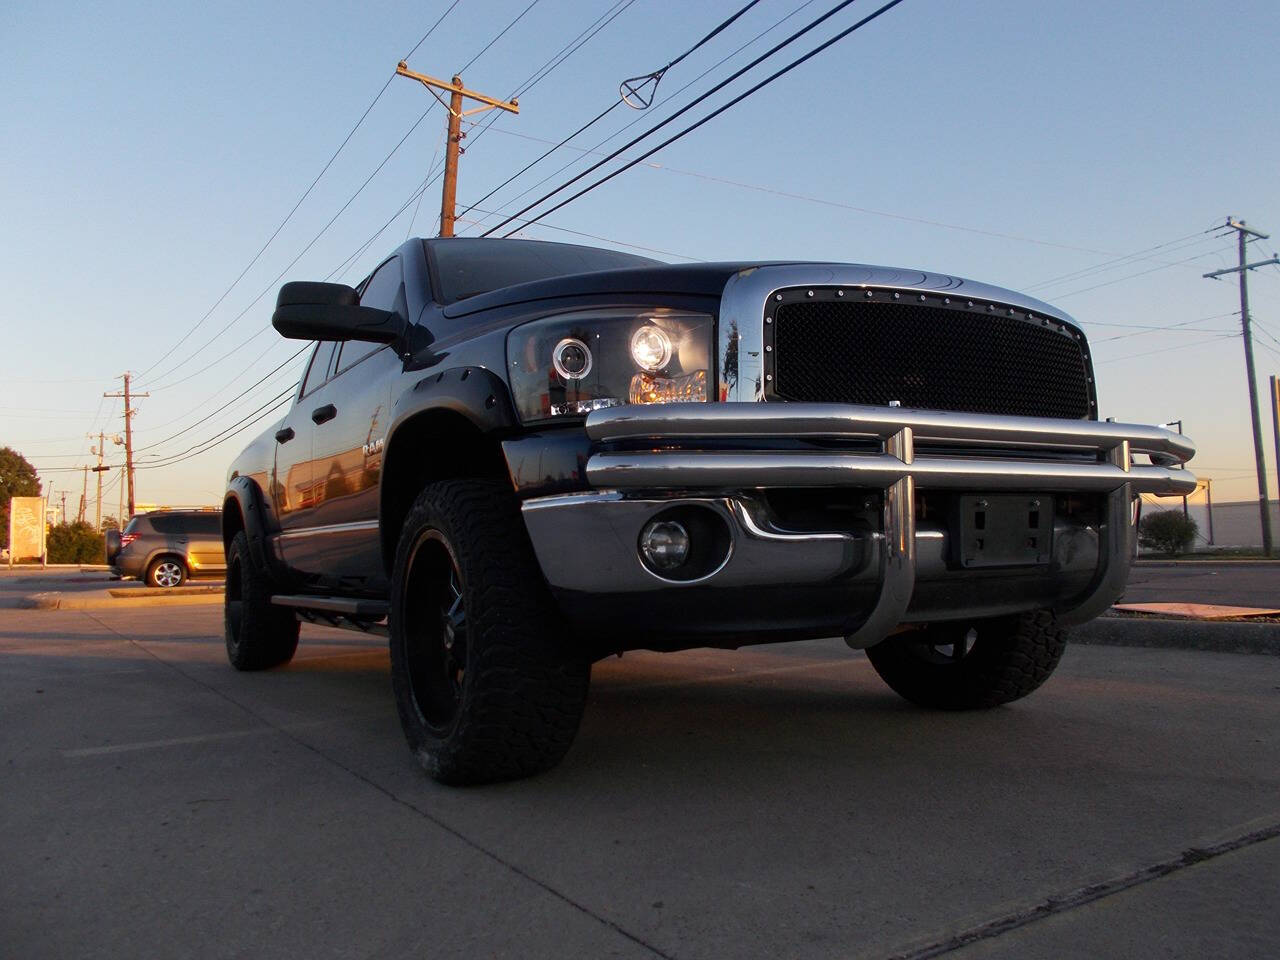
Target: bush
[75, 543]
[1168, 531]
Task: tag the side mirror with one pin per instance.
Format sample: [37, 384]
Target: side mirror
[331, 311]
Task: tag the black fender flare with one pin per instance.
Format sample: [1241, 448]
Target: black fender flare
[248, 497]
[478, 394]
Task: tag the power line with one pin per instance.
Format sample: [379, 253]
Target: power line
[225, 407]
[1131, 276]
[1179, 346]
[225, 434]
[539, 75]
[500, 35]
[1198, 236]
[769, 53]
[885, 8]
[613, 136]
[333, 219]
[306, 193]
[1171, 328]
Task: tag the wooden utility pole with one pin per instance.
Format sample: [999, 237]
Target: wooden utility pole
[128, 435]
[453, 147]
[100, 450]
[84, 495]
[1243, 269]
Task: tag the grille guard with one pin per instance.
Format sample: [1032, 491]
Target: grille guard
[1038, 451]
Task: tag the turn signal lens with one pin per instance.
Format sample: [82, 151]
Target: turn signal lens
[691, 388]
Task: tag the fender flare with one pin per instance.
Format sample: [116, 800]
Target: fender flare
[248, 497]
[478, 394]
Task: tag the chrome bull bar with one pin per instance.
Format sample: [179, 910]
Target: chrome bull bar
[1019, 453]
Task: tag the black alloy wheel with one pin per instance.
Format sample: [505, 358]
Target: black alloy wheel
[435, 631]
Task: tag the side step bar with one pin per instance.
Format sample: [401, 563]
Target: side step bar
[345, 612]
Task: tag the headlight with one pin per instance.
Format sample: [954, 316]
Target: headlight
[569, 365]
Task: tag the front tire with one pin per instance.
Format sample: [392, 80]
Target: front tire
[970, 665]
[259, 635]
[486, 682]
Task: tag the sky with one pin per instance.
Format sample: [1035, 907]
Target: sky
[151, 149]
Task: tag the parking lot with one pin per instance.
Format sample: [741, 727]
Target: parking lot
[775, 801]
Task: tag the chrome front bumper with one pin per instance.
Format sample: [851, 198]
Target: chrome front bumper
[646, 459]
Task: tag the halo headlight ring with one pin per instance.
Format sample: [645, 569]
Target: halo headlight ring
[572, 359]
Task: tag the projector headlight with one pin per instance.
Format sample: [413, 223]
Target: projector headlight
[569, 365]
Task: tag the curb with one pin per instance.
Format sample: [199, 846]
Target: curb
[58, 601]
[1260, 562]
[1210, 635]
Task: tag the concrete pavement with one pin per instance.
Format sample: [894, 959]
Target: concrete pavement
[775, 801]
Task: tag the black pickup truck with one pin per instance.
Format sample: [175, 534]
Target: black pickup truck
[515, 458]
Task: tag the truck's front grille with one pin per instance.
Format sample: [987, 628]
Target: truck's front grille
[924, 355]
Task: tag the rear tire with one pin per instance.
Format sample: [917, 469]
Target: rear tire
[259, 634]
[487, 684]
[968, 665]
[166, 573]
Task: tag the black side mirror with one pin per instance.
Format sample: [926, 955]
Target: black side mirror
[331, 311]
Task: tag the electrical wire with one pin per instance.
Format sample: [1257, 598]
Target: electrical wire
[776, 75]
[222, 409]
[697, 100]
[306, 193]
[1198, 236]
[1131, 276]
[1178, 346]
[655, 76]
[501, 34]
[226, 433]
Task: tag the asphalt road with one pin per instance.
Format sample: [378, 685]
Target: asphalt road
[19, 583]
[773, 802]
[1242, 584]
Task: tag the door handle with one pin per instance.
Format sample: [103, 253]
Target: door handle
[324, 414]
[284, 435]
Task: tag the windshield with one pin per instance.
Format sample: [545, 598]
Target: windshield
[466, 266]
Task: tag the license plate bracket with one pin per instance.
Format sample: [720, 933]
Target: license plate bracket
[1005, 530]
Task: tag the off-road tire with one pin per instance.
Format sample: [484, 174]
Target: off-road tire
[259, 635]
[1009, 658]
[516, 693]
[165, 563]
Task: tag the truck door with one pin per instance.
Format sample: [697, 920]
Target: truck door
[351, 413]
[292, 487]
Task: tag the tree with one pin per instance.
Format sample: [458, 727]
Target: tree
[17, 479]
[75, 542]
[1169, 531]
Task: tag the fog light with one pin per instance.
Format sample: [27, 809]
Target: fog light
[664, 544]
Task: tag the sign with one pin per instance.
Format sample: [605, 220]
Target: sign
[26, 529]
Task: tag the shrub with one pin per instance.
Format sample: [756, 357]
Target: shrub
[75, 543]
[1168, 531]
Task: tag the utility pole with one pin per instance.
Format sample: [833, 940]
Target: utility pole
[1243, 233]
[128, 434]
[1275, 416]
[453, 146]
[64, 508]
[84, 495]
[100, 450]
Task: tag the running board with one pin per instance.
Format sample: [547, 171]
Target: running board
[345, 612]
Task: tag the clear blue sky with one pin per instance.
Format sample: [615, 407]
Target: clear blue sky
[149, 150]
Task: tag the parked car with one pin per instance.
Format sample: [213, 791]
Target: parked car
[516, 457]
[166, 547]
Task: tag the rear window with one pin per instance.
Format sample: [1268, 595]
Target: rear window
[467, 266]
[132, 525]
